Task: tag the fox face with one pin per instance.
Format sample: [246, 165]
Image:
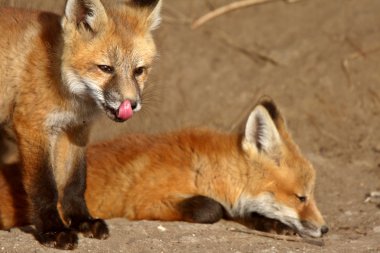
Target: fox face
[280, 181]
[108, 51]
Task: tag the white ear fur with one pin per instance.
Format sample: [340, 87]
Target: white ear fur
[91, 12]
[155, 17]
[261, 133]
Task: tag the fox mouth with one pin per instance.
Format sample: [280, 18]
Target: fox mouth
[262, 223]
[112, 113]
[304, 231]
[123, 112]
[309, 230]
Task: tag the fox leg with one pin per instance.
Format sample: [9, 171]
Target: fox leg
[42, 192]
[74, 207]
[196, 209]
[70, 164]
[200, 209]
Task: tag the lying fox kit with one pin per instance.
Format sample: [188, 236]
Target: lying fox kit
[202, 176]
[196, 176]
[57, 74]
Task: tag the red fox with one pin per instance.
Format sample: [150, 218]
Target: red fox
[199, 176]
[57, 74]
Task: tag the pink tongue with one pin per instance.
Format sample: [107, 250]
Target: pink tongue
[125, 110]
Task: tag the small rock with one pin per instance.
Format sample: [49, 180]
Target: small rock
[376, 229]
[161, 228]
[348, 213]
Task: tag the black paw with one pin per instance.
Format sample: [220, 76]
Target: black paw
[66, 240]
[93, 228]
[201, 209]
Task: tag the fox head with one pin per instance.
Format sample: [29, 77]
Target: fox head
[281, 181]
[108, 51]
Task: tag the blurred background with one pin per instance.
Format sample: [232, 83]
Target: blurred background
[318, 59]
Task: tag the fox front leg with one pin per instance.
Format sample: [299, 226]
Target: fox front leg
[70, 172]
[201, 209]
[41, 188]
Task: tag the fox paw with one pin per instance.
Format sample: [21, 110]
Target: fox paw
[93, 228]
[66, 240]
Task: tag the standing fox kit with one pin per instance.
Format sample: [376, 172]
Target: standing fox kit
[56, 75]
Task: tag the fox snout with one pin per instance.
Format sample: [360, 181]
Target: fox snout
[309, 229]
[121, 111]
[312, 222]
[306, 221]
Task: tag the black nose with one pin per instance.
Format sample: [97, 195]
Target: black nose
[324, 229]
[133, 105]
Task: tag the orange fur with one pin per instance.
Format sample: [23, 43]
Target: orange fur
[148, 177]
[58, 74]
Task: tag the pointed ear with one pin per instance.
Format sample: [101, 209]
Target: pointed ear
[275, 114]
[87, 13]
[155, 16]
[153, 10]
[261, 134]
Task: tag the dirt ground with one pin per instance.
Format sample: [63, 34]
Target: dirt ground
[318, 59]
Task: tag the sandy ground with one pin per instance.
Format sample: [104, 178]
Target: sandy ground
[318, 59]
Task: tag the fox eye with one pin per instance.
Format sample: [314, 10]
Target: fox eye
[106, 69]
[302, 199]
[139, 71]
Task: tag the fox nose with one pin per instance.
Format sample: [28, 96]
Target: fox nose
[135, 105]
[324, 229]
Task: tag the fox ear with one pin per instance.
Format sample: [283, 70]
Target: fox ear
[261, 134]
[275, 114]
[89, 13]
[153, 8]
[155, 16]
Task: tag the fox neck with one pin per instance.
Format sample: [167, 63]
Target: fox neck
[55, 47]
[221, 175]
[51, 67]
